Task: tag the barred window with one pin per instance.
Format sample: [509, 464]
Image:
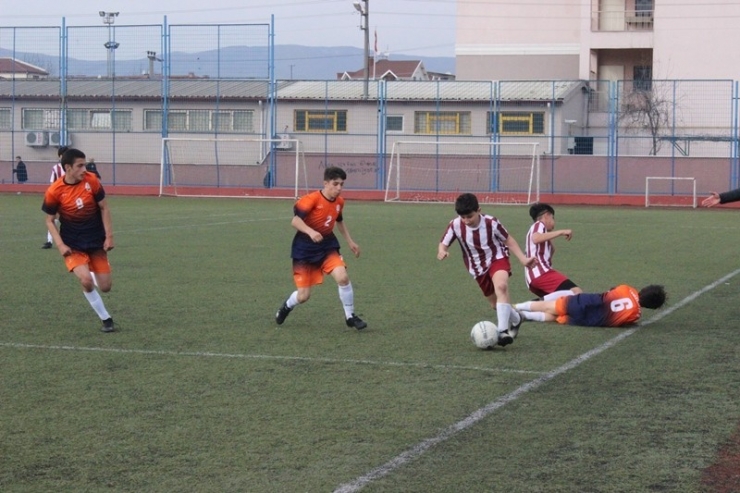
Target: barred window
[41, 118]
[442, 122]
[4, 118]
[99, 119]
[517, 122]
[394, 123]
[320, 121]
[222, 121]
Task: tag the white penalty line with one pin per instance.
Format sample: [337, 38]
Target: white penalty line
[417, 450]
[203, 354]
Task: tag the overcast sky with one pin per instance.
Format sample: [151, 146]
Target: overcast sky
[414, 27]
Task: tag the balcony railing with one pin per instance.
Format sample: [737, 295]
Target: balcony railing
[622, 20]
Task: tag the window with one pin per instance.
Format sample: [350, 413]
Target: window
[442, 122]
[320, 121]
[4, 118]
[644, 8]
[517, 122]
[642, 78]
[394, 123]
[223, 121]
[41, 119]
[99, 119]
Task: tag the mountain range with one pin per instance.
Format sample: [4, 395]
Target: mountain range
[291, 62]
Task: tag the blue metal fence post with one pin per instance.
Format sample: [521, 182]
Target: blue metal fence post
[381, 137]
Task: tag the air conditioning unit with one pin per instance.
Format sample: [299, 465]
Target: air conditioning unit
[37, 139]
[58, 139]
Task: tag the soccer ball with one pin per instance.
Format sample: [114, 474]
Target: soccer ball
[484, 335]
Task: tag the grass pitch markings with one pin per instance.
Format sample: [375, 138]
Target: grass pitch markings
[420, 448]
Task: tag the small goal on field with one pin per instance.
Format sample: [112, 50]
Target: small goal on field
[232, 167]
[497, 172]
[670, 191]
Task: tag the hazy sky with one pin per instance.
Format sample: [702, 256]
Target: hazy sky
[414, 27]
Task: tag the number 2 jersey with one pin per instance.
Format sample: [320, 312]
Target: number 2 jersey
[618, 306]
[79, 214]
[320, 214]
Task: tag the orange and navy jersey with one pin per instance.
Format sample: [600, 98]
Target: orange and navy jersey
[618, 306]
[81, 223]
[321, 214]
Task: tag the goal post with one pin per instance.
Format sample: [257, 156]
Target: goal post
[670, 191]
[497, 172]
[232, 167]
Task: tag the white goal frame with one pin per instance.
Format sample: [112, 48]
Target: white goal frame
[670, 178]
[485, 173]
[168, 184]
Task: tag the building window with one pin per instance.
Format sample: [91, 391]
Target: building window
[442, 122]
[223, 121]
[4, 118]
[41, 119]
[643, 8]
[642, 78]
[99, 119]
[320, 121]
[394, 123]
[517, 122]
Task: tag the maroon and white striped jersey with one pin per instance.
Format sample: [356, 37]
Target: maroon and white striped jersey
[480, 245]
[542, 251]
[57, 171]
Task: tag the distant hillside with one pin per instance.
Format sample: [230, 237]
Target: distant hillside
[291, 61]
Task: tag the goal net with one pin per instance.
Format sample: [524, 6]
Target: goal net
[670, 191]
[231, 167]
[497, 172]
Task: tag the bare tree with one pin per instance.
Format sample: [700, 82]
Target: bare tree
[647, 106]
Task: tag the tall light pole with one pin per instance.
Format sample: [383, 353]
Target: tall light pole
[109, 18]
[363, 8]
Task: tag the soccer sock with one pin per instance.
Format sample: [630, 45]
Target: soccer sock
[526, 306]
[558, 294]
[292, 300]
[534, 316]
[96, 302]
[48, 237]
[95, 279]
[503, 313]
[347, 296]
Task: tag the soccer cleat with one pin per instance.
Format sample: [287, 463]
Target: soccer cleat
[108, 325]
[514, 330]
[356, 322]
[505, 338]
[46, 245]
[282, 313]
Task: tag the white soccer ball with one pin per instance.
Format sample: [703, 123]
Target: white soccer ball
[484, 335]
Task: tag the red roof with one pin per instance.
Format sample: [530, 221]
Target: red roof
[13, 66]
[401, 69]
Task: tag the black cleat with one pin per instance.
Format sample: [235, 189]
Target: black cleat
[356, 322]
[514, 330]
[505, 338]
[282, 313]
[46, 245]
[108, 325]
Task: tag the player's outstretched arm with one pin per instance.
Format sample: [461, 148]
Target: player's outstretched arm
[518, 253]
[711, 201]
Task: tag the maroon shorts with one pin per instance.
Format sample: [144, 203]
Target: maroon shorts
[486, 280]
[547, 283]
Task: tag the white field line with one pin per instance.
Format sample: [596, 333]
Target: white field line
[201, 354]
[420, 448]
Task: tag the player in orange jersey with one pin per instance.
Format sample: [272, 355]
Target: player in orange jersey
[315, 249]
[619, 306]
[85, 235]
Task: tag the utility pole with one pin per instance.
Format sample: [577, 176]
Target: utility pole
[363, 8]
[109, 18]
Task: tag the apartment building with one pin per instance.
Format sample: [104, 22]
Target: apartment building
[637, 40]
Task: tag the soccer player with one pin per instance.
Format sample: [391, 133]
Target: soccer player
[57, 171]
[85, 235]
[721, 198]
[485, 245]
[542, 280]
[619, 306]
[315, 249]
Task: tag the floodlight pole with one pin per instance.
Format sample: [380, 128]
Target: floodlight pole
[109, 18]
[362, 6]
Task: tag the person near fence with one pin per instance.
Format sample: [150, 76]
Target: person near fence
[542, 280]
[721, 198]
[619, 306]
[20, 170]
[486, 245]
[85, 234]
[315, 248]
[57, 171]
[92, 167]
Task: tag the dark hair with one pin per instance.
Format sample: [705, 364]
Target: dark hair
[538, 209]
[652, 296]
[70, 155]
[334, 172]
[62, 150]
[466, 203]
